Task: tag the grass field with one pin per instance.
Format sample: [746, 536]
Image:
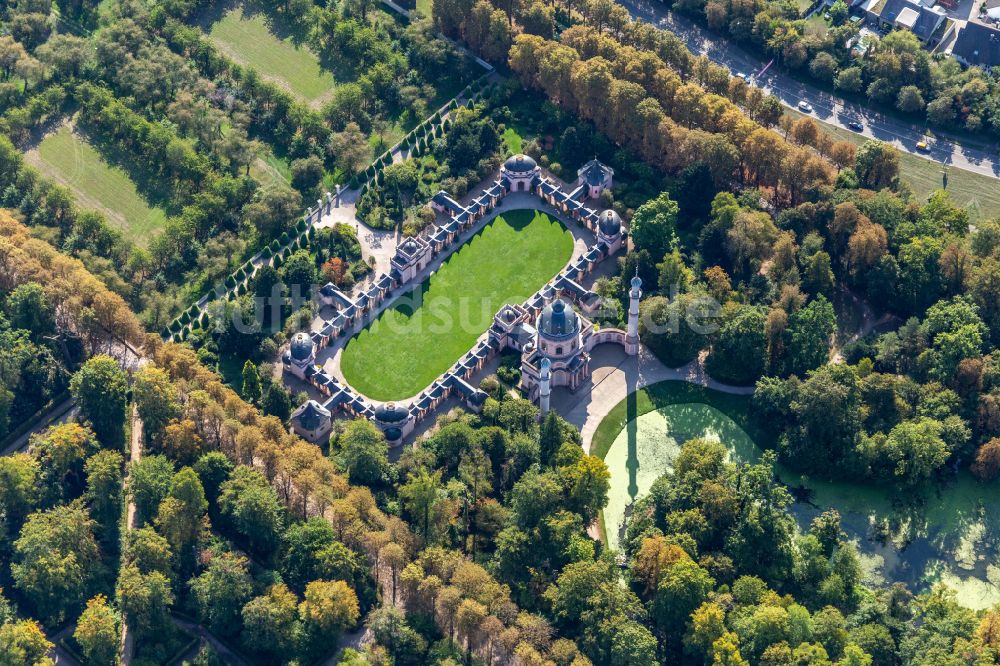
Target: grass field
[68, 158]
[270, 171]
[412, 343]
[979, 193]
[817, 25]
[248, 40]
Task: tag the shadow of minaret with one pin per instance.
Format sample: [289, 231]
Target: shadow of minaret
[631, 425]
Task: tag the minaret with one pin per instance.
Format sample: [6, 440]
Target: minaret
[544, 388]
[632, 335]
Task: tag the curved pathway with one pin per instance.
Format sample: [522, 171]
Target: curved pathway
[615, 375]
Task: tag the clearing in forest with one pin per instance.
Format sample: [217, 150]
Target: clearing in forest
[68, 158]
[248, 39]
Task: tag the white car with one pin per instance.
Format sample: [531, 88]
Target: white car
[805, 107]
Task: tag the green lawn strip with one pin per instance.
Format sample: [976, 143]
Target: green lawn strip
[512, 140]
[977, 192]
[249, 41]
[231, 371]
[817, 25]
[803, 5]
[68, 158]
[411, 344]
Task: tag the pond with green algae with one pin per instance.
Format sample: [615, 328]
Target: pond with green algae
[949, 535]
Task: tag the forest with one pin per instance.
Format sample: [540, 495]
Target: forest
[155, 97]
[174, 517]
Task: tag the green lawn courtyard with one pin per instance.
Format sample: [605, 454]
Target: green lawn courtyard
[69, 159]
[248, 40]
[947, 536]
[512, 141]
[416, 340]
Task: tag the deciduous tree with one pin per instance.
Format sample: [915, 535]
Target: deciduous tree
[97, 632]
[100, 388]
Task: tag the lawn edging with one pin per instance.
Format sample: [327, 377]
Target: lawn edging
[675, 392]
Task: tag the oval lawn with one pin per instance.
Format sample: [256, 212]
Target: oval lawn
[426, 331]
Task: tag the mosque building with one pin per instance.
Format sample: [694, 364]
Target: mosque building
[551, 330]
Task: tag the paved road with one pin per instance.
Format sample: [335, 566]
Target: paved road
[58, 653]
[828, 108]
[60, 413]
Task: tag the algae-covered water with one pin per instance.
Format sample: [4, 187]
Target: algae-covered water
[950, 535]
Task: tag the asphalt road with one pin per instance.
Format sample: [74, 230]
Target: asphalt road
[827, 107]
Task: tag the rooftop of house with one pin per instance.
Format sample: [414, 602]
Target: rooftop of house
[311, 415]
[920, 20]
[594, 172]
[978, 44]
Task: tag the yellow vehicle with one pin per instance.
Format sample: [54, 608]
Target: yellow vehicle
[922, 146]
